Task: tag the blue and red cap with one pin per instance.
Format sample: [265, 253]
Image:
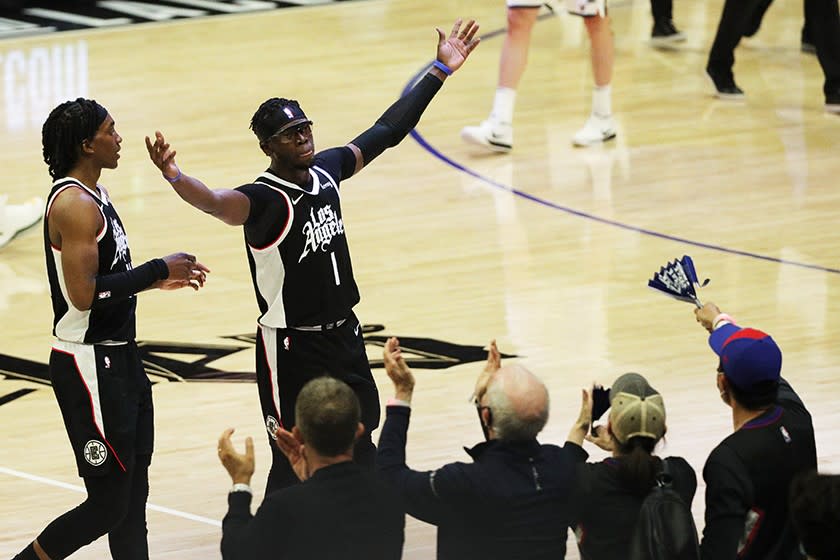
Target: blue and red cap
[747, 356]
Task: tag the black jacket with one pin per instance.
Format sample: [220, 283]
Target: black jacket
[511, 502]
[747, 479]
[341, 512]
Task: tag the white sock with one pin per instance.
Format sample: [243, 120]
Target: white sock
[503, 105]
[602, 101]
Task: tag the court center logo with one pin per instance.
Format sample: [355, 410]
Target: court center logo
[95, 452]
[196, 361]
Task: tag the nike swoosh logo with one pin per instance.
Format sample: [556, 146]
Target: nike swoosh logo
[356, 330]
[296, 200]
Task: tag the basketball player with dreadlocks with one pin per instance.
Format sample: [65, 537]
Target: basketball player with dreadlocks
[297, 249]
[95, 368]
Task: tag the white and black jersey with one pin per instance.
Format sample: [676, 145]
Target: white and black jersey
[297, 247]
[111, 323]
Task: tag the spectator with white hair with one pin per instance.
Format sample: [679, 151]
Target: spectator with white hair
[512, 501]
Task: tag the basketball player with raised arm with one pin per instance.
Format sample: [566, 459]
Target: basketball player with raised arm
[297, 248]
[95, 368]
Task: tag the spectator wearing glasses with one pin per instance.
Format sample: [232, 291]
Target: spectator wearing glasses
[512, 501]
[748, 475]
[298, 252]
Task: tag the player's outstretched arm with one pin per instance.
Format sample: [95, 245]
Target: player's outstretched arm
[401, 117]
[230, 206]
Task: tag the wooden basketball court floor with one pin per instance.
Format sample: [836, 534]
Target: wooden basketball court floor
[547, 249]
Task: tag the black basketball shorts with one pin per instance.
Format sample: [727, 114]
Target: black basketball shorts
[288, 358]
[105, 399]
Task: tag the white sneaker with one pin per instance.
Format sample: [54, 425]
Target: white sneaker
[596, 130]
[497, 137]
[15, 218]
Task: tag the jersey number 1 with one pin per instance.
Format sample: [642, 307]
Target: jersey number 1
[335, 269]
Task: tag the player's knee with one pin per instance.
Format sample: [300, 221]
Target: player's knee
[597, 24]
[521, 20]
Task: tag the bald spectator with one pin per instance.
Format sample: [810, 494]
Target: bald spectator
[512, 500]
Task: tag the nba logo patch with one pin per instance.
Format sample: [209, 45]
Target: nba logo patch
[107, 362]
[785, 434]
[286, 343]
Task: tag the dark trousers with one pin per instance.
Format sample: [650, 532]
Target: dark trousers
[116, 505]
[735, 22]
[823, 22]
[662, 10]
[742, 18]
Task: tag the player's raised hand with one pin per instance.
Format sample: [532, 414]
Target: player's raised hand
[162, 155]
[454, 50]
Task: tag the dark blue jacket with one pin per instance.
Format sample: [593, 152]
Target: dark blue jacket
[511, 502]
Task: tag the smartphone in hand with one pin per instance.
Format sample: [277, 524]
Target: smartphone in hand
[600, 404]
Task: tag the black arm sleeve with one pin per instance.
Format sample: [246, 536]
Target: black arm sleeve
[398, 120]
[113, 288]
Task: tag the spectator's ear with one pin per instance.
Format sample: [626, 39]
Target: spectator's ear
[487, 417]
[298, 435]
[360, 430]
[723, 389]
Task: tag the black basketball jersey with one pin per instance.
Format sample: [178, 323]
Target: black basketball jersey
[297, 247]
[114, 322]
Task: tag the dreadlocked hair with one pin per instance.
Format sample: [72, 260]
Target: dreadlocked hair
[261, 121]
[68, 125]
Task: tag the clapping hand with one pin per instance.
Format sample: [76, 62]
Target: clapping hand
[240, 467]
[398, 370]
[293, 450]
[494, 362]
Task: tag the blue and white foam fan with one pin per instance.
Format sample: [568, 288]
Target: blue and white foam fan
[678, 280]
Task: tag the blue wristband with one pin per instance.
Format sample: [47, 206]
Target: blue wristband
[442, 67]
[175, 178]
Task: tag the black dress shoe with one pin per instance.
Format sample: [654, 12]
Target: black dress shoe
[725, 85]
[664, 32]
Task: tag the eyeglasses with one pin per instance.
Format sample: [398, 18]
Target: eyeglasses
[290, 135]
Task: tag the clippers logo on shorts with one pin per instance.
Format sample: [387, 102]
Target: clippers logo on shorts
[95, 452]
[271, 425]
[320, 230]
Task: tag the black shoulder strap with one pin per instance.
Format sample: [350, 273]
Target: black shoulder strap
[664, 479]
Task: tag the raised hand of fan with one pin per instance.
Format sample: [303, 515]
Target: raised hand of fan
[678, 279]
